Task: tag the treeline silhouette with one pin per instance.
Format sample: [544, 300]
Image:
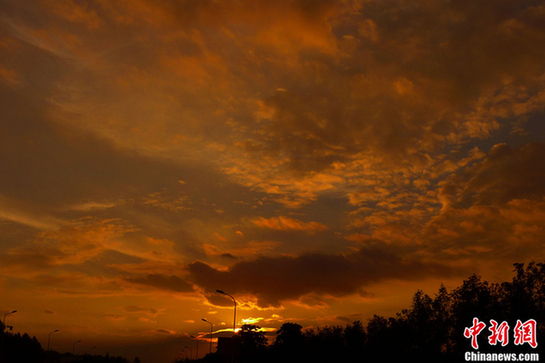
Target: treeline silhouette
[17, 348]
[430, 330]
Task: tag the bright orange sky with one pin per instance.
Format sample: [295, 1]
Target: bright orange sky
[318, 160]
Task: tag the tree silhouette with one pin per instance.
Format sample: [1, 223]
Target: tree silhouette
[20, 348]
[289, 335]
[251, 342]
[325, 344]
[289, 342]
[251, 337]
[355, 339]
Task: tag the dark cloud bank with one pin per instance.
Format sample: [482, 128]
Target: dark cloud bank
[273, 279]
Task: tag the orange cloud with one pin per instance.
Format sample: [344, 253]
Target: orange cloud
[115, 317]
[80, 240]
[164, 201]
[286, 224]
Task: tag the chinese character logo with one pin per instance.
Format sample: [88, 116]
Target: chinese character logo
[499, 333]
[526, 333]
[474, 331]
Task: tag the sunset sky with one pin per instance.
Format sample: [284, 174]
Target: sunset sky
[318, 160]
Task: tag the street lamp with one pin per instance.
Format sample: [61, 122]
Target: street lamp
[197, 350]
[211, 326]
[190, 352]
[74, 347]
[13, 312]
[2, 338]
[49, 337]
[235, 313]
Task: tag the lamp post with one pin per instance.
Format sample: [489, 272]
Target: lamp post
[13, 312]
[49, 338]
[190, 352]
[211, 326]
[196, 350]
[235, 310]
[74, 347]
[2, 338]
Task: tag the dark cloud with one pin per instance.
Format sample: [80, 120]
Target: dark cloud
[506, 174]
[344, 319]
[464, 44]
[229, 256]
[163, 331]
[162, 282]
[493, 209]
[509, 174]
[273, 279]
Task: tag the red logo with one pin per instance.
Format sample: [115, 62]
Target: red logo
[499, 333]
[526, 333]
[523, 333]
[474, 331]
